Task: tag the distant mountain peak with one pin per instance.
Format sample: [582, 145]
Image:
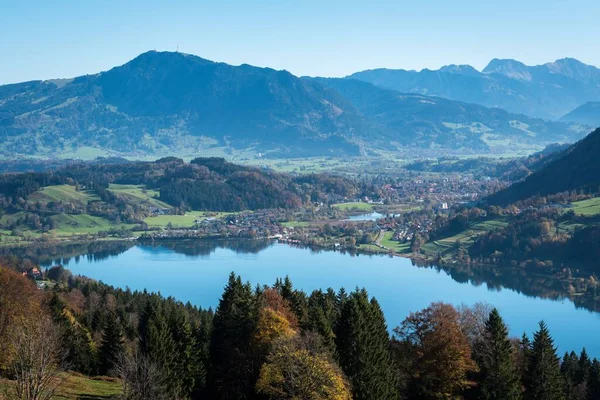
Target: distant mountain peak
[462, 69]
[511, 68]
[574, 69]
[153, 56]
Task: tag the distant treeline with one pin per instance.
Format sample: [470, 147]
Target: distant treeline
[541, 239]
[512, 170]
[277, 343]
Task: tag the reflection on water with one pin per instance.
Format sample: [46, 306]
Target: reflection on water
[196, 271]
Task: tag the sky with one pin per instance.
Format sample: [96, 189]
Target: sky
[41, 39]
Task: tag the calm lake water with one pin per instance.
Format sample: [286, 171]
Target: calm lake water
[374, 216]
[199, 274]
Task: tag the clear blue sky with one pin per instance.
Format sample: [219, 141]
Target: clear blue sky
[43, 39]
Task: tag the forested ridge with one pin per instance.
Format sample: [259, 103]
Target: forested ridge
[203, 184]
[274, 342]
[574, 169]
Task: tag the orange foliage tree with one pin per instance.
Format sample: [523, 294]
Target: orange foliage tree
[436, 352]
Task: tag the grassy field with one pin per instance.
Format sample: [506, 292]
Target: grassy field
[137, 194]
[372, 248]
[64, 193]
[587, 207]
[79, 387]
[356, 206]
[182, 221]
[447, 245]
[393, 244]
[67, 225]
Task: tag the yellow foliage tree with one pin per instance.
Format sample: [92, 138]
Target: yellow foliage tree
[272, 325]
[296, 373]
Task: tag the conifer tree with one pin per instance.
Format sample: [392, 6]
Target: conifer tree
[569, 369]
[233, 370]
[296, 299]
[593, 382]
[112, 345]
[322, 318]
[584, 364]
[524, 352]
[499, 378]
[363, 348]
[544, 378]
[187, 363]
[156, 341]
[203, 332]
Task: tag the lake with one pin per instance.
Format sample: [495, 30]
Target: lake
[197, 272]
[373, 216]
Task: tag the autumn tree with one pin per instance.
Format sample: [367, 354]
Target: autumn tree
[364, 348]
[273, 322]
[77, 345]
[437, 352]
[293, 371]
[19, 300]
[141, 378]
[36, 359]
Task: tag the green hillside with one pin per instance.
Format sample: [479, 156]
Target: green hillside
[64, 193]
[138, 194]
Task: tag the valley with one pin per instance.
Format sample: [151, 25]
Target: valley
[309, 201]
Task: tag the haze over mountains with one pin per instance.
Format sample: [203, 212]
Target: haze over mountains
[546, 91]
[165, 103]
[586, 114]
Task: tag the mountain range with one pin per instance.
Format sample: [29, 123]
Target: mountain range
[546, 91]
[169, 102]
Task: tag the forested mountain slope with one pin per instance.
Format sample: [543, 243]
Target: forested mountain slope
[577, 168]
[164, 103]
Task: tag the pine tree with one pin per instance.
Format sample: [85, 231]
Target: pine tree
[112, 345]
[363, 347]
[157, 343]
[321, 318]
[203, 333]
[584, 365]
[187, 363]
[296, 299]
[593, 383]
[545, 381]
[523, 355]
[569, 368]
[499, 379]
[233, 371]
